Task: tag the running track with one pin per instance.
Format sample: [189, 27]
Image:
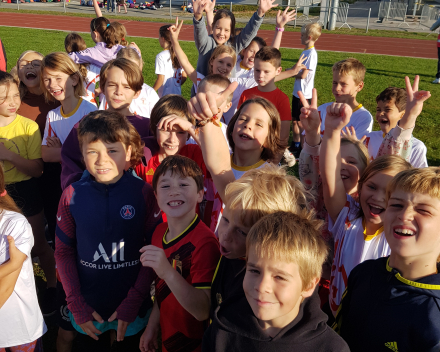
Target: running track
[329, 42]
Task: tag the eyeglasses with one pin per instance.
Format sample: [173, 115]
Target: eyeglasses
[33, 63]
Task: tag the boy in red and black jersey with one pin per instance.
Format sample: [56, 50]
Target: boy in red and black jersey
[184, 254]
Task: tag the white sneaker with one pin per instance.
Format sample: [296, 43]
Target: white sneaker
[289, 158]
[437, 81]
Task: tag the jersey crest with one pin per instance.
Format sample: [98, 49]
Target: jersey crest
[127, 212]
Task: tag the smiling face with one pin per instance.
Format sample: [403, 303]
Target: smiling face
[223, 65]
[171, 142]
[249, 54]
[117, 91]
[344, 87]
[273, 289]
[265, 72]
[106, 161]
[411, 225]
[373, 197]
[351, 167]
[59, 84]
[9, 100]
[251, 128]
[232, 235]
[177, 196]
[29, 70]
[222, 30]
[387, 115]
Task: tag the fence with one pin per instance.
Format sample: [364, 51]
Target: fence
[392, 11]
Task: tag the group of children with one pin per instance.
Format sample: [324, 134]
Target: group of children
[173, 221]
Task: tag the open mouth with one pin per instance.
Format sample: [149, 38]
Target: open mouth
[57, 92]
[245, 137]
[222, 72]
[383, 121]
[224, 252]
[345, 177]
[171, 147]
[175, 203]
[31, 76]
[102, 171]
[404, 232]
[375, 210]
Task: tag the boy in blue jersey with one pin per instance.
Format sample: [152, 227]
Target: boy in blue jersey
[103, 221]
[184, 253]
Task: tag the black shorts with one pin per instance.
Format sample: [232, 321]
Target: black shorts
[62, 313]
[27, 196]
[296, 107]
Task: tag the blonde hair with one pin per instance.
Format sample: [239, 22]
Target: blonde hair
[120, 33]
[21, 86]
[351, 67]
[362, 150]
[312, 30]
[221, 49]
[61, 62]
[291, 238]
[130, 54]
[216, 80]
[263, 191]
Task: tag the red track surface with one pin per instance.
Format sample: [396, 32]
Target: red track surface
[330, 42]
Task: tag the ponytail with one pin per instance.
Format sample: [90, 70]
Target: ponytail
[105, 29]
[165, 34]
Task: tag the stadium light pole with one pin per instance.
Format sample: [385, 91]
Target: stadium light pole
[333, 14]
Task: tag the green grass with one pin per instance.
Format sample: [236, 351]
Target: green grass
[289, 28]
[382, 71]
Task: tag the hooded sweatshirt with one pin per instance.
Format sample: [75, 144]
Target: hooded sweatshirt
[235, 328]
[382, 311]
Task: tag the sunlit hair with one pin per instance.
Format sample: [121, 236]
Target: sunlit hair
[260, 41]
[61, 62]
[362, 151]
[269, 54]
[221, 49]
[74, 42]
[216, 80]
[166, 35]
[182, 166]
[6, 202]
[6, 79]
[106, 30]
[351, 67]
[130, 54]
[22, 87]
[224, 13]
[312, 30]
[273, 145]
[110, 127]
[132, 72]
[290, 238]
[120, 33]
[170, 104]
[263, 191]
[398, 95]
[385, 163]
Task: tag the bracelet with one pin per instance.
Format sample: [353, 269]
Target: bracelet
[279, 29]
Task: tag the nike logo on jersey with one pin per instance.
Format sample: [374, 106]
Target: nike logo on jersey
[392, 346]
[156, 215]
[58, 218]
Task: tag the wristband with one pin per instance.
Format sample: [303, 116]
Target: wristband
[279, 29]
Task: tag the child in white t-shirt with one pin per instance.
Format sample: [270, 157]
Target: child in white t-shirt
[21, 321]
[170, 75]
[304, 82]
[64, 83]
[244, 68]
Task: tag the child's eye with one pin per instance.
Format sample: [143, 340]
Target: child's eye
[184, 184]
[280, 278]
[371, 187]
[241, 232]
[424, 211]
[253, 271]
[259, 125]
[91, 152]
[164, 186]
[112, 151]
[225, 219]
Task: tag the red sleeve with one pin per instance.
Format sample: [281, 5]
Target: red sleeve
[65, 257]
[141, 171]
[283, 106]
[242, 99]
[153, 216]
[204, 261]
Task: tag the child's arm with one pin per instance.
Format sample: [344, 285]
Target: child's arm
[51, 152]
[97, 9]
[181, 56]
[167, 123]
[209, 9]
[281, 21]
[398, 140]
[201, 35]
[159, 82]
[338, 116]
[212, 141]
[293, 71]
[10, 271]
[148, 341]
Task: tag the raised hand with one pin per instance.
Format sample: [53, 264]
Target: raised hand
[284, 17]
[414, 103]
[310, 119]
[167, 123]
[265, 5]
[210, 5]
[338, 116]
[350, 132]
[175, 29]
[198, 7]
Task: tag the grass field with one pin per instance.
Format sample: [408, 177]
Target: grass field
[382, 72]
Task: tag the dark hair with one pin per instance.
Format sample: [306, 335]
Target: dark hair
[105, 29]
[132, 72]
[74, 42]
[166, 35]
[183, 166]
[5, 80]
[167, 105]
[260, 41]
[269, 54]
[398, 94]
[110, 127]
[274, 146]
[218, 80]
[224, 13]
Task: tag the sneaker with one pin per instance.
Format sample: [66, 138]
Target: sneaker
[160, 6]
[437, 81]
[289, 158]
[295, 150]
[153, 7]
[48, 303]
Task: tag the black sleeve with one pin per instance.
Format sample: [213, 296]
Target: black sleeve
[206, 342]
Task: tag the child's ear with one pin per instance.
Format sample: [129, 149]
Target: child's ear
[75, 79]
[200, 195]
[137, 94]
[401, 114]
[360, 86]
[308, 291]
[128, 153]
[227, 107]
[278, 71]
